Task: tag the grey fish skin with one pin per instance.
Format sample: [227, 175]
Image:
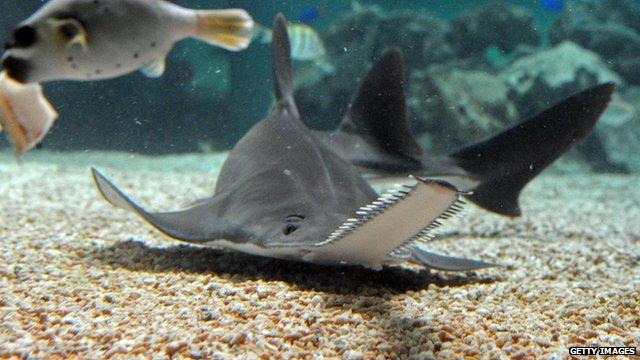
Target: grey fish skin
[375, 136]
[101, 39]
[283, 193]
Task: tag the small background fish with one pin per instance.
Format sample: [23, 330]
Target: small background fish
[306, 44]
[310, 14]
[552, 5]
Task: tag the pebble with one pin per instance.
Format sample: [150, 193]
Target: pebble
[239, 309]
[174, 347]
[220, 356]
[353, 355]
[210, 315]
[316, 300]
[425, 355]
[237, 338]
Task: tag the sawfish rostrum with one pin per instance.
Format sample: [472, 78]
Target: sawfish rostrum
[283, 193]
[375, 136]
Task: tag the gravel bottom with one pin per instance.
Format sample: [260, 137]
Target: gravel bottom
[81, 279]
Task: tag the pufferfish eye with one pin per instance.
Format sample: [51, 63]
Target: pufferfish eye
[66, 33]
[24, 36]
[69, 30]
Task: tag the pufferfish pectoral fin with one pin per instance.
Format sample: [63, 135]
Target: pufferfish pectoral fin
[197, 224]
[154, 69]
[446, 263]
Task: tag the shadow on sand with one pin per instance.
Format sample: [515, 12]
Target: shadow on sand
[362, 291]
[137, 256]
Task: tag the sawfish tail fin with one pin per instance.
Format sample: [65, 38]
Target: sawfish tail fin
[505, 163]
[230, 29]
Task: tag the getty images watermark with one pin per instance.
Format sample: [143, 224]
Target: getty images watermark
[602, 351]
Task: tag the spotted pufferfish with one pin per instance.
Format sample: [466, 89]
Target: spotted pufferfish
[101, 39]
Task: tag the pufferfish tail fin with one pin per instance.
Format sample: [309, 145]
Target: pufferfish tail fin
[231, 29]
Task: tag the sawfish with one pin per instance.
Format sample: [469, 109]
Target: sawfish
[375, 136]
[283, 193]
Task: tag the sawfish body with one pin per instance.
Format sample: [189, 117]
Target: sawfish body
[283, 193]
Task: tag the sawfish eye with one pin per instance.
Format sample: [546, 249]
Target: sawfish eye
[292, 223]
[24, 36]
[290, 228]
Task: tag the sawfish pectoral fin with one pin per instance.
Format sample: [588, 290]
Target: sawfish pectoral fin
[195, 224]
[446, 263]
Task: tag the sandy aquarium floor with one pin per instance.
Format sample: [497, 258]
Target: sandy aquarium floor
[79, 279]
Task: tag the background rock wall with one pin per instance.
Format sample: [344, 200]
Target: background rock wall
[488, 69]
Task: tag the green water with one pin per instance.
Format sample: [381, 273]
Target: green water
[209, 98]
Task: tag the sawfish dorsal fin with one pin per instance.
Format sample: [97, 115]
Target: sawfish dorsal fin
[378, 113]
[282, 64]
